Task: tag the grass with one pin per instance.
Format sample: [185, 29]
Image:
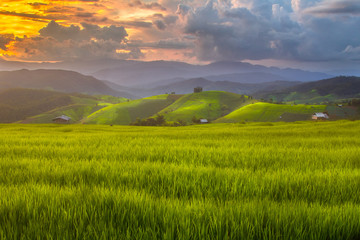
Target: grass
[268, 112]
[220, 181]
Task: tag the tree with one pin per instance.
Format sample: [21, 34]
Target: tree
[160, 120]
[195, 120]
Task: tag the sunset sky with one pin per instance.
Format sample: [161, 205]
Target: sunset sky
[190, 30]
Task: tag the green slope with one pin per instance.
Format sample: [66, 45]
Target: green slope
[268, 112]
[313, 97]
[327, 90]
[127, 112]
[210, 105]
[18, 104]
[81, 106]
[76, 112]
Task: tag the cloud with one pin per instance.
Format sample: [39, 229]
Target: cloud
[89, 31]
[49, 49]
[299, 30]
[152, 5]
[174, 44]
[37, 4]
[255, 30]
[57, 42]
[32, 16]
[183, 10]
[348, 7]
[160, 24]
[5, 39]
[227, 33]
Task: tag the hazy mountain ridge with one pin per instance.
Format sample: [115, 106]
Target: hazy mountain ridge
[57, 80]
[140, 73]
[184, 86]
[331, 89]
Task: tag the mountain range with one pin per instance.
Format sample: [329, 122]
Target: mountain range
[141, 74]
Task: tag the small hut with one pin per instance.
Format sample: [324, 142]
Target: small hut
[203, 121]
[62, 119]
[320, 116]
[198, 89]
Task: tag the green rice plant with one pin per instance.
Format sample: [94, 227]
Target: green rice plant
[220, 181]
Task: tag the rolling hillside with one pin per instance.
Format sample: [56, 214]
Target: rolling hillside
[319, 91]
[41, 106]
[127, 112]
[57, 80]
[18, 104]
[210, 105]
[268, 112]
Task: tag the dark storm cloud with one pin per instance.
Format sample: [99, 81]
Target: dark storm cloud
[258, 30]
[231, 34]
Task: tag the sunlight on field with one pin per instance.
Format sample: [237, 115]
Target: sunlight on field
[219, 181]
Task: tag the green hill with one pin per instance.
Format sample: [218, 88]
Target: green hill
[210, 105]
[127, 112]
[41, 106]
[327, 90]
[17, 104]
[268, 112]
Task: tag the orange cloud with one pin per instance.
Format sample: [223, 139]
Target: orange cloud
[27, 22]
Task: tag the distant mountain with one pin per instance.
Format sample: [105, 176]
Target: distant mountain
[249, 77]
[143, 74]
[139, 74]
[323, 90]
[57, 80]
[188, 85]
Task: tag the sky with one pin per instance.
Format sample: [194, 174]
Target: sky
[272, 32]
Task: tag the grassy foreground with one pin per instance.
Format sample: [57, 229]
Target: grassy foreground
[220, 181]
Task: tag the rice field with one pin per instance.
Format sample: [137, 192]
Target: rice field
[219, 181]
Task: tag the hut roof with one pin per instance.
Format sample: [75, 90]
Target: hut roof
[321, 115]
[63, 117]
